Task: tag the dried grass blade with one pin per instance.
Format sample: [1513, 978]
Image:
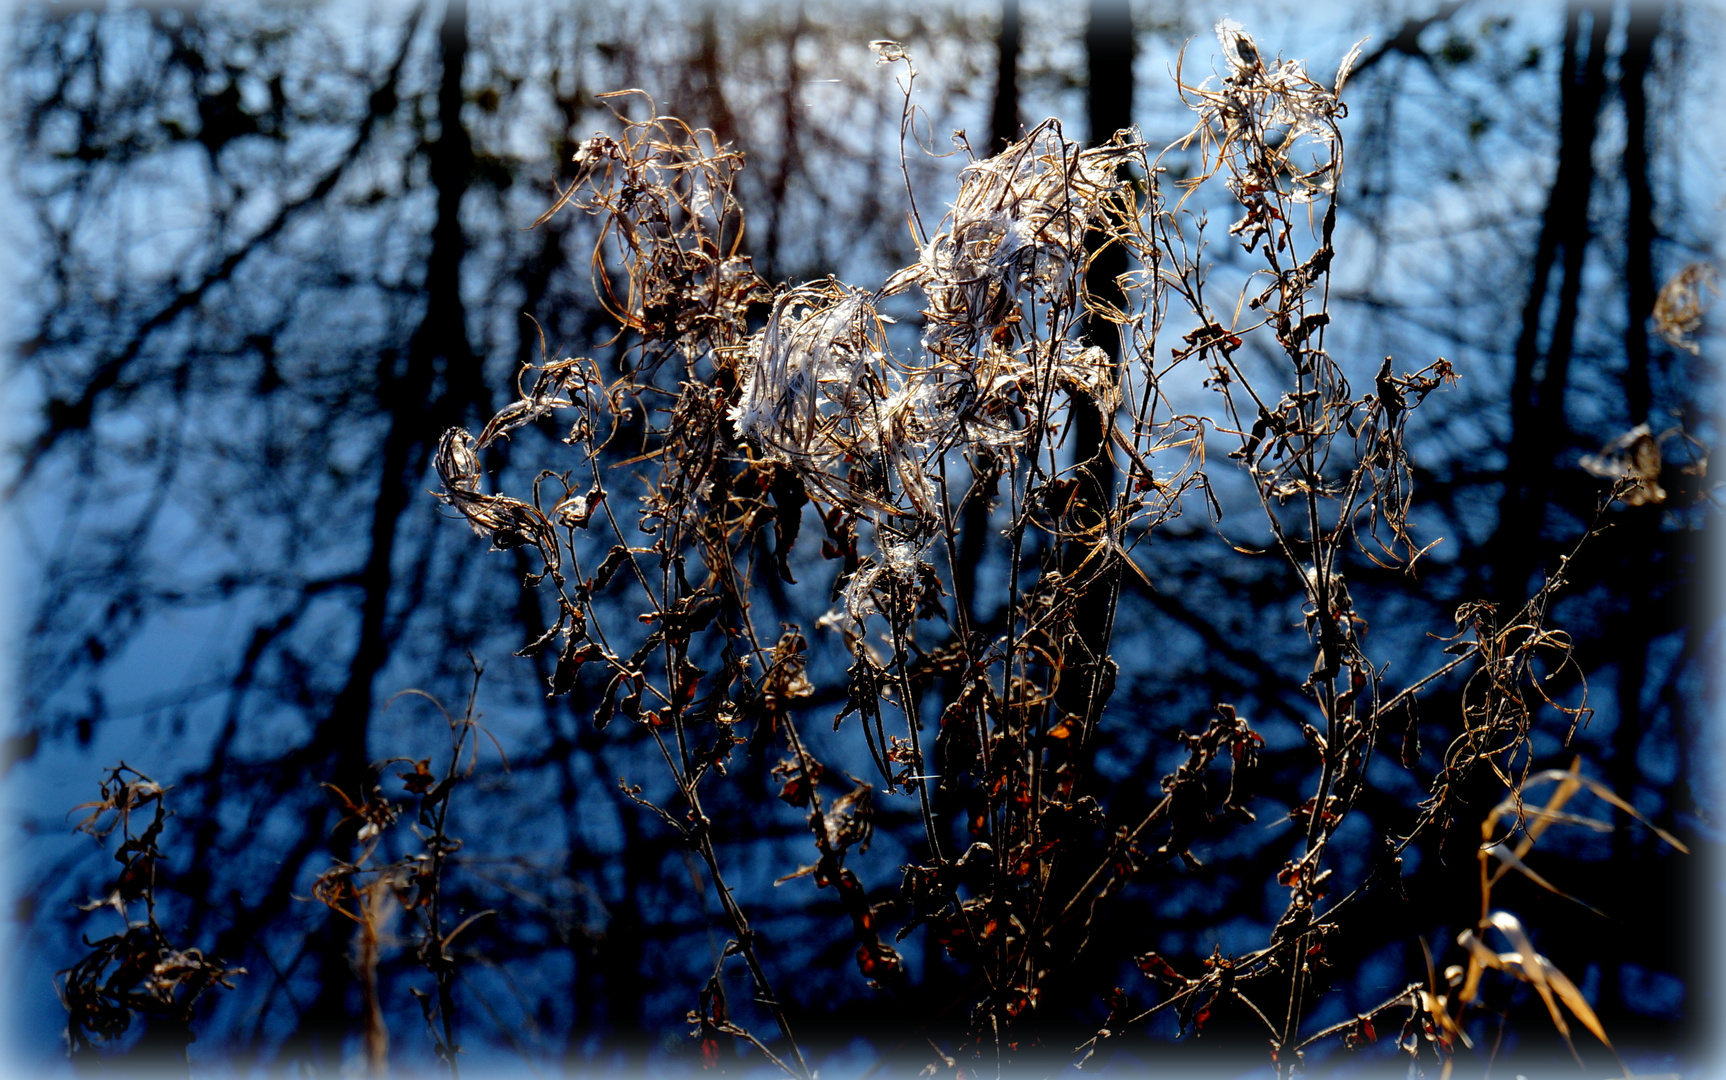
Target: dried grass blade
[463, 925]
[1530, 967]
[1511, 861]
[1573, 998]
[1610, 796]
[1567, 787]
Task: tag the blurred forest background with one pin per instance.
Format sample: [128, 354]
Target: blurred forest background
[264, 254]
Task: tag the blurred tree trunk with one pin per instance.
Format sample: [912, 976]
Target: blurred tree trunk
[1004, 125]
[1109, 52]
[433, 386]
[707, 89]
[1537, 424]
[1641, 541]
[1643, 29]
[1088, 674]
[430, 388]
[1004, 128]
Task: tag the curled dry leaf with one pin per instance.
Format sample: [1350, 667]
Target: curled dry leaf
[510, 523]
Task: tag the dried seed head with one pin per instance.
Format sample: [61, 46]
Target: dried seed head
[1634, 455]
[1682, 302]
[457, 462]
[888, 52]
[1240, 52]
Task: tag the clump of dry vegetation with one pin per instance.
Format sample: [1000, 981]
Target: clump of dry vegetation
[376, 894]
[1034, 403]
[758, 401]
[136, 973]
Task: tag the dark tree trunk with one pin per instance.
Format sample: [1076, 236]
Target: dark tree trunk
[1537, 426]
[1087, 675]
[1647, 563]
[1109, 50]
[428, 389]
[409, 393]
[1004, 121]
[1644, 27]
[1004, 128]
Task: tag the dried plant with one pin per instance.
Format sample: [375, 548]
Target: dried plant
[1682, 302]
[1523, 962]
[1636, 460]
[375, 894]
[756, 405]
[1438, 1008]
[137, 972]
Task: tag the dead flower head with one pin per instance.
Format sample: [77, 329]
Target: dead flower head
[1682, 302]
